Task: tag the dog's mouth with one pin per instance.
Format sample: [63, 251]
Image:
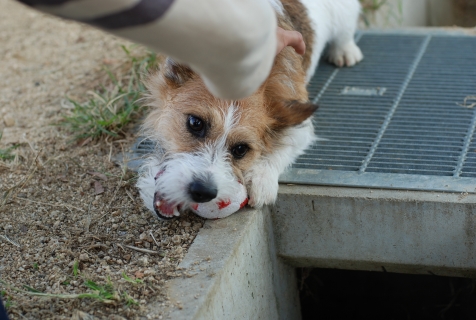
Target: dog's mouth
[164, 209]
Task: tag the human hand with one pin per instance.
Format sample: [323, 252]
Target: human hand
[290, 38]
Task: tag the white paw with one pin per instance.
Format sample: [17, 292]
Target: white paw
[346, 55]
[262, 185]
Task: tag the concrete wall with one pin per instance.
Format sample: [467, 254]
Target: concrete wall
[234, 273]
[377, 230]
[421, 13]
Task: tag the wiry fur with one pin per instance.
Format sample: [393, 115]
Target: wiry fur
[274, 122]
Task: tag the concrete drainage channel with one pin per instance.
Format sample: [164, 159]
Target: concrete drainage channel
[411, 210]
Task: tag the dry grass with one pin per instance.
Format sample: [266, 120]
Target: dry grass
[111, 108]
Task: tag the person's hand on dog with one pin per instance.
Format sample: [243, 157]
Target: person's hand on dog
[290, 38]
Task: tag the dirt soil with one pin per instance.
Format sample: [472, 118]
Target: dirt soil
[63, 202]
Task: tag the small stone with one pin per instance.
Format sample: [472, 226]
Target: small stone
[83, 257]
[9, 120]
[56, 224]
[141, 222]
[150, 272]
[127, 257]
[186, 224]
[114, 226]
[176, 239]
[143, 261]
[139, 275]
[54, 213]
[21, 269]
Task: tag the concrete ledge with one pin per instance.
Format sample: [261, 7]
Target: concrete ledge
[235, 273]
[354, 228]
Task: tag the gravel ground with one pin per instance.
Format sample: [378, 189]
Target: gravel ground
[67, 205]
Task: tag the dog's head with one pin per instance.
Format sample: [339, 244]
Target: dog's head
[209, 143]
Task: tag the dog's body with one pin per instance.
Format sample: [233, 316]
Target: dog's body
[206, 143]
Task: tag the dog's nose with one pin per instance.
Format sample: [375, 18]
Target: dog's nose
[202, 192]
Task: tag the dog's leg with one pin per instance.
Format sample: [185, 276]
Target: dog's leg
[262, 179]
[343, 50]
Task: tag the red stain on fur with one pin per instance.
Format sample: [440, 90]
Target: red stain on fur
[223, 204]
[159, 174]
[244, 203]
[195, 206]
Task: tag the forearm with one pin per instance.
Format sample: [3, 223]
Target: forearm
[231, 44]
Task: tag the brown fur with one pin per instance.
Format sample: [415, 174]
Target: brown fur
[299, 21]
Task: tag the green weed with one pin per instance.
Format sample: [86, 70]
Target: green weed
[102, 292]
[371, 6]
[6, 154]
[129, 279]
[7, 302]
[114, 106]
[129, 300]
[75, 268]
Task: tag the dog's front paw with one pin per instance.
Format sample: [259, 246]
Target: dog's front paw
[345, 55]
[262, 185]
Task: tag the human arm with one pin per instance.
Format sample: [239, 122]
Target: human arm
[231, 44]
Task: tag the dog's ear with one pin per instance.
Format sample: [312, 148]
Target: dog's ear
[176, 74]
[290, 113]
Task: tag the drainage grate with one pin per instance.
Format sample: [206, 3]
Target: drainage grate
[396, 120]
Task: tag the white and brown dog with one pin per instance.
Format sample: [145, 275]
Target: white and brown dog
[207, 143]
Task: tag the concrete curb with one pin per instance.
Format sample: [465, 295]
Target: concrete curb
[377, 230]
[234, 273]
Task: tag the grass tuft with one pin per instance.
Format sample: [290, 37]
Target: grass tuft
[7, 301]
[129, 300]
[129, 279]
[371, 6]
[6, 154]
[103, 293]
[112, 107]
[75, 268]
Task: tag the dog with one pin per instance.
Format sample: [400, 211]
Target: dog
[204, 143]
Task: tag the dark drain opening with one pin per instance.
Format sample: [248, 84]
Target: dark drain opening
[343, 294]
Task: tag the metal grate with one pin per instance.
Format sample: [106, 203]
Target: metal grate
[396, 120]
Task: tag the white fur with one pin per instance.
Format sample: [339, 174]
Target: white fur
[334, 22]
[262, 179]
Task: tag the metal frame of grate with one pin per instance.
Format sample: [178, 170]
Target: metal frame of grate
[397, 119]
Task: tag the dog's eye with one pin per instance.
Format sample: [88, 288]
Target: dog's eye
[196, 126]
[239, 151]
